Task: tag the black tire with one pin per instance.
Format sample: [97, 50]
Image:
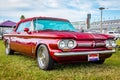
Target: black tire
[117, 38]
[45, 62]
[8, 49]
[99, 62]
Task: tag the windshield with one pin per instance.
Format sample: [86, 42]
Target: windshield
[53, 25]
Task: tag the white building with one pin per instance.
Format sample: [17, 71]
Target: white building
[80, 25]
[106, 25]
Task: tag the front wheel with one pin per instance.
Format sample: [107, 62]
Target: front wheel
[8, 49]
[44, 59]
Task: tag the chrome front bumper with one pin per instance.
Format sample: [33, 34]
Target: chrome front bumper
[65, 54]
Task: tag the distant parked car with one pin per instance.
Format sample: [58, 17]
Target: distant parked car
[53, 40]
[114, 33]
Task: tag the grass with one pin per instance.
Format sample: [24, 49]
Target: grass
[118, 41]
[20, 67]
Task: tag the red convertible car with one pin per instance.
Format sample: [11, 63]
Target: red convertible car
[53, 40]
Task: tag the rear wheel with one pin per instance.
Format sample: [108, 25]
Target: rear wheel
[8, 49]
[44, 59]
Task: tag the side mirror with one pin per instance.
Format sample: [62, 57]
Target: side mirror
[26, 30]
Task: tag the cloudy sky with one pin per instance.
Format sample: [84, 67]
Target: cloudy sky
[74, 10]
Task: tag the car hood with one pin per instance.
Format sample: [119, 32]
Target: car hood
[72, 35]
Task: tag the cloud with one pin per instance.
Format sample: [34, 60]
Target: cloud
[110, 4]
[11, 4]
[62, 13]
[74, 10]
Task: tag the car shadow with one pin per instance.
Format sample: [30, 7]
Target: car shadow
[63, 66]
[76, 65]
[22, 54]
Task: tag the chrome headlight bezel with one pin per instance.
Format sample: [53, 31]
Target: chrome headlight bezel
[110, 43]
[107, 42]
[71, 44]
[67, 44]
[62, 44]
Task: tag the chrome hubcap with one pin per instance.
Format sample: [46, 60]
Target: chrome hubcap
[42, 57]
[7, 48]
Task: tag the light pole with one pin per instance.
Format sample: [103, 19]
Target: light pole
[101, 9]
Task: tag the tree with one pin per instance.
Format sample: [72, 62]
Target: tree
[22, 17]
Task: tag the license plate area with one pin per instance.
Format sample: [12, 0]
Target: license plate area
[93, 57]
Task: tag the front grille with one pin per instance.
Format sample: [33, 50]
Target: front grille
[84, 44]
[91, 44]
[100, 44]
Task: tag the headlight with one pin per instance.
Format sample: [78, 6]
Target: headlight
[62, 44]
[110, 43]
[113, 43]
[67, 44]
[71, 44]
[107, 42]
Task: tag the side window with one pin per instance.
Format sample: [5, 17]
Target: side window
[38, 25]
[22, 26]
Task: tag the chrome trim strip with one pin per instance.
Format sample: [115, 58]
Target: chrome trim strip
[64, 54]
[100, 44]
[84, 44]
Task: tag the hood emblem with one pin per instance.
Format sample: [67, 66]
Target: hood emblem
[93, 44]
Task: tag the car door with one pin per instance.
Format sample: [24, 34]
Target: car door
[22, 40]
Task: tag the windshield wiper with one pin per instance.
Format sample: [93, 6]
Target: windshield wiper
[67, 31]
[58, 30]
[48, 30]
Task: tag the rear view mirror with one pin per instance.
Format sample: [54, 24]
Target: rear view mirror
[26, 29]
